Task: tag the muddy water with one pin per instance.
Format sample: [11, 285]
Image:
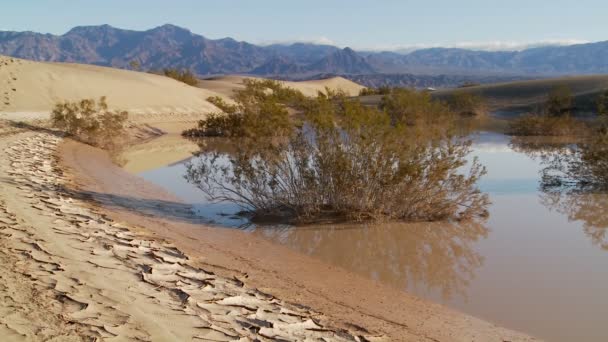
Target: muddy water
[537, 265]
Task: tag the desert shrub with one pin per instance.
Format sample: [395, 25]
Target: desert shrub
[184, 76]
[602, 104]
[349, 162]
[90, 121]
[417, 110]
[260, 110]
[553, 118]
[469, 84]
[466, 103]
[559, 101]
[383, 90]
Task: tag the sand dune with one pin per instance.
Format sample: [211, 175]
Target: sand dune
[30, 89]
[226, 85]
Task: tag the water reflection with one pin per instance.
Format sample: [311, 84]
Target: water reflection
[432, 256]
[566, 184]
[587, 207]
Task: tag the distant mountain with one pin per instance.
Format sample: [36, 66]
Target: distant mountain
[415, 81]
[161, 47]
[278, 65]
[345, 61]
[589, 58]
[302, 53]
[170, 46]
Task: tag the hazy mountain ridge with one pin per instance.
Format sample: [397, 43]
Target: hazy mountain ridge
[173, 46]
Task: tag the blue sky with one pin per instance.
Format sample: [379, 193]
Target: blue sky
[379, 24]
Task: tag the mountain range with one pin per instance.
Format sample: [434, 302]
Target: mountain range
[172, 46]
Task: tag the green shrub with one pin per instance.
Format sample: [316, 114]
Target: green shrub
[559, 101]
[352, 162]
[602, 104]
[466, 103]
[260, 110]
[416, 109]
[90, 121]
[185, 76]
[383, 90]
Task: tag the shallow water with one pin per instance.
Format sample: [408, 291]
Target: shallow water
[537, 265]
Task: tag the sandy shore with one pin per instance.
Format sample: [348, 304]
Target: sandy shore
[347, 301]
[69, 272]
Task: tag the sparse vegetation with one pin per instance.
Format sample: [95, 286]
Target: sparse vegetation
[184, 76]
[135, 65]
[553, 119]
[559, 101]
[469, 84]
[91, 121]
[260, 110]
[384, 90]
[467, 104]
[602, 103]
[352, 162]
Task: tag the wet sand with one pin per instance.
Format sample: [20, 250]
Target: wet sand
[346, 299]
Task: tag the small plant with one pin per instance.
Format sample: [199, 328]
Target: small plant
[91, 122]
[135, 65]
[184, 76]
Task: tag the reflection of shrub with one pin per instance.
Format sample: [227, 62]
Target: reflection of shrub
[90, 121]
[185, 76]
[350, 162]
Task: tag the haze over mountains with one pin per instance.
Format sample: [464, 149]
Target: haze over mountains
[176, 47]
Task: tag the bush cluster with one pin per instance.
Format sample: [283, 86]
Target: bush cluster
[184, 76]
[90, 121]
[352, 162]
[552, 119]
[260, 110]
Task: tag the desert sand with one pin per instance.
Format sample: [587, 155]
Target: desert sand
[89, 251]
[226, 85]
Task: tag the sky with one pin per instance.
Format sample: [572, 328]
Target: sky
[360, 24]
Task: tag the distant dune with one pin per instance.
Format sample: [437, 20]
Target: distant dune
[522, 96]
[30, 89]
[226, 85]
[525, 95]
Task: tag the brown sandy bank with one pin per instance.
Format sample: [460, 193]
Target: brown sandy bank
[347, 299]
